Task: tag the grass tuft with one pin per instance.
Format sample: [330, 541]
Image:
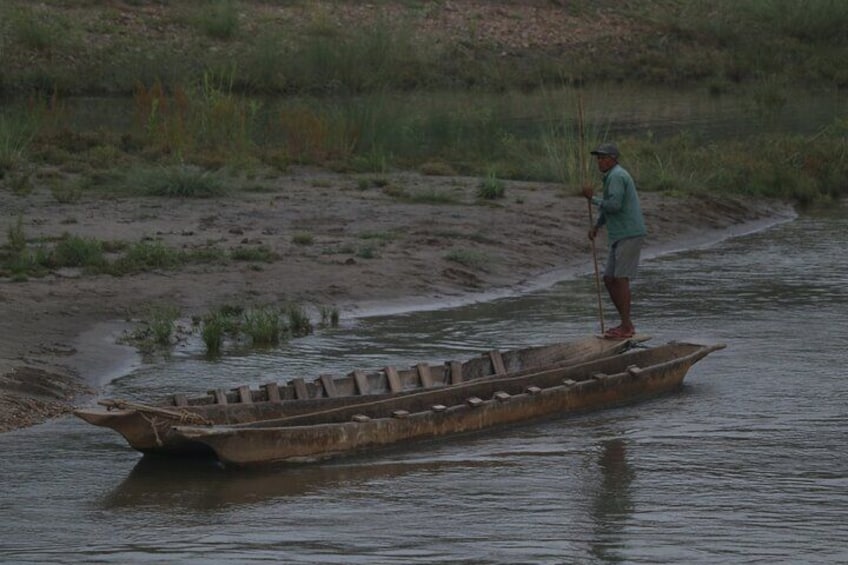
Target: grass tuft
[74, 251]
[468, 258]
[263, 326]
[162, 321]
[219, 19]
[174, 182]
[491, 188]
[299, 323]
[329, 317]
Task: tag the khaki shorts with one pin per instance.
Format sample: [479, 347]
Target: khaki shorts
[623, 258]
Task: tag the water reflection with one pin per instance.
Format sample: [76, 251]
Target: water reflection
[167, 483]
[612, 503]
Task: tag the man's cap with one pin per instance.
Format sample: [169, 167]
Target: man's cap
[606, 149]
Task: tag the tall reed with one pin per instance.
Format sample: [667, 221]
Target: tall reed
[18, 129]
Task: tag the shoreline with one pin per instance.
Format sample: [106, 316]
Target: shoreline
[58, 333]
[544, 280]
[97, 348]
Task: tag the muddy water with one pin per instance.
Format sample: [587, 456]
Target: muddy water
[747, 464]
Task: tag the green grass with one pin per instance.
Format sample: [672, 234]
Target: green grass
[460, 112]
[259, 254]
[74, 251]
[382, 237]
[263, 326]
[469, 258]
[147, 256]
[298, 321]
[220, 19]
[38, 29]
[303, 238]
[66, 192]
[214, 328]
[91, 255]
[174, 182]
[330, 60]
[161, 324]
[430, 196]
[491, 187]
[16, 240]
[549, 152]
[68, 252]
[787, 167]
[668, 42]
[18, 128]
[329, 317]
[367, 252]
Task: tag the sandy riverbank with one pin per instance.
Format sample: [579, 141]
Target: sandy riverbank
[368, 251]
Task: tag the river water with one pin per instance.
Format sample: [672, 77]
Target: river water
[746, 464]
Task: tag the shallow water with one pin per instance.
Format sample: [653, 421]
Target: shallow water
[746, 464]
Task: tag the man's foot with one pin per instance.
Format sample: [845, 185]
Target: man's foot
[619, 332]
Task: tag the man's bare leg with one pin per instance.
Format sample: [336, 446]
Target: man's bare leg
[619, 291]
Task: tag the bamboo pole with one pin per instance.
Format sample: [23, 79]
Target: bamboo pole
[584, 173]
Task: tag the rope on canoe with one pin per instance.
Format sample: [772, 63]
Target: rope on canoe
[153, 421]
[182, 415]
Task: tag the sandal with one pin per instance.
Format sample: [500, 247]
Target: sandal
[619, 333]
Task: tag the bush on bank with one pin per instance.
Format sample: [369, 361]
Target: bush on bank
[193, 118]
[170, 156]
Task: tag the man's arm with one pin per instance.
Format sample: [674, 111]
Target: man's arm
[613, 199]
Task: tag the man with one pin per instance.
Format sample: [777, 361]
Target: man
[619, 211]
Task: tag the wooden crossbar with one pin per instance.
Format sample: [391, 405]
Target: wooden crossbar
[393, 378]
[329, 385]
[424, 374]
[245, 396]
[455, 372]
[497, 362]
[300, 391]
[219, 395]
[272, 390]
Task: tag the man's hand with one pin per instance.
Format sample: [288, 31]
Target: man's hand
[593, 232]
[588, 192]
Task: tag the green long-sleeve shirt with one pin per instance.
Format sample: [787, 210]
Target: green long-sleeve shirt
[619, 206]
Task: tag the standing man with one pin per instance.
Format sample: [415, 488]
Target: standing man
[619, 211]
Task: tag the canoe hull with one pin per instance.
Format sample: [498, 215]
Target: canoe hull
[144, 432]
[151, 431]
[553, 393]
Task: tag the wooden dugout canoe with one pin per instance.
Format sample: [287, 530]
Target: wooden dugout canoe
[148, 427]
[469, 407]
